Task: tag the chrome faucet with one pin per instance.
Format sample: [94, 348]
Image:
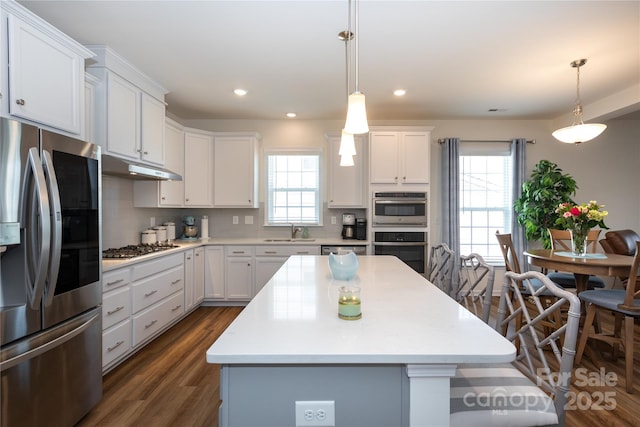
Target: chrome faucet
[295, 230]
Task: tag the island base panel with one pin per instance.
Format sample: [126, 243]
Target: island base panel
[265, 396]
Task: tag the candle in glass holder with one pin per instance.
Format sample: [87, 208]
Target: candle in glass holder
[349, 303]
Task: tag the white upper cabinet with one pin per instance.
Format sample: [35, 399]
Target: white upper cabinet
[235, 170]
[130, 109]
[346, 187]
[198, 173]
[151, 194]
[399, 157]
[45, 82]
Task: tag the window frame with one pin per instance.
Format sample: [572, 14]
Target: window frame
[311, 151]
[490, 250]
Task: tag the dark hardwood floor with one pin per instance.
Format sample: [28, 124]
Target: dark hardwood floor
[169, 383]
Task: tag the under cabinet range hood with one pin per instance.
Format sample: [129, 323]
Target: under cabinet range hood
[116, 166]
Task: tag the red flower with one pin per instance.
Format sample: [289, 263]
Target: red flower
[575, 211]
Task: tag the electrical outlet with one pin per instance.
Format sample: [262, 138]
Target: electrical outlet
[235, 220]
[333, 220]
[248, 219]
[317, 413]
[152, 221]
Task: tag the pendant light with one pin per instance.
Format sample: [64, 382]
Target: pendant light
[356, 122]
[347, 144]
[578, 132]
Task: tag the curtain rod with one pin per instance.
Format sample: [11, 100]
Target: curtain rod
[529, 141]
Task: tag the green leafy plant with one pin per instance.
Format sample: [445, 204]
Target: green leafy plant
[547, 187]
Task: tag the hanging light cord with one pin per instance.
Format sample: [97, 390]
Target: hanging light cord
[578, 110]
[357, 37]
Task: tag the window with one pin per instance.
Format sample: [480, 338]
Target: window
[293, 188]
[485, 197]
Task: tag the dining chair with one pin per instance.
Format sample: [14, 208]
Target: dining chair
[474, 287]
[625, 305]
[441, 267]
[561, 241]
[533, 389]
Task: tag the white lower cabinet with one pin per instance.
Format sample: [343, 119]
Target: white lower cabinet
[214, 273]
[193, 277]
[239, 272]
[139, 302]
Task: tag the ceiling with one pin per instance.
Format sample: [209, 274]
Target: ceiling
[455, 59]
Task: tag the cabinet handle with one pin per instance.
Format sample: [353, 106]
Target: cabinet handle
[117, 309]
[302, 252]
[145, 152]
[20, 101]
[404, 178]
[148, 294]
[139, 150]
[197, 254]
[189, 257]
[177, 307]
[270, 252]
[187, 199]
[118, 344]
[237, 252]
[153, 322]
[176, 281]
[115, 282]
[163, 198]
[395, 178]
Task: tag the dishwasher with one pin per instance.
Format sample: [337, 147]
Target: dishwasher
[358, 249]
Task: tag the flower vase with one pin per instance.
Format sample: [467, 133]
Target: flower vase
[579, 240]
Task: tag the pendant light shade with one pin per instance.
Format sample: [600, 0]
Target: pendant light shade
[578, 132]
[356, 115]
[346, 160]
[347, 144]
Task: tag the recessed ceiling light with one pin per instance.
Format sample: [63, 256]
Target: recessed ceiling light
[399, 92]
[291, 115]
[240, 92]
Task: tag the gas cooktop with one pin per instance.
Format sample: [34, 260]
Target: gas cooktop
[133, 251]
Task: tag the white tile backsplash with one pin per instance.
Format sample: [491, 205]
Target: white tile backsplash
[122, 222]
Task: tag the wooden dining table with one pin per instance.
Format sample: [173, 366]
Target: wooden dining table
[582, 267]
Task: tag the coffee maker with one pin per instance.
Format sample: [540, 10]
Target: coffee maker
[361, 228]
[348, 226]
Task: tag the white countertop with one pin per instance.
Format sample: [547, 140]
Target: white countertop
[405, 319]
[111, 264]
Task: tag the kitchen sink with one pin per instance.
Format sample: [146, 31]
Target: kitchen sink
[289, 240]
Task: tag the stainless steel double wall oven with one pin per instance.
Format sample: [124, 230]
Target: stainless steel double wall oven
[399, 228]
[50, 277]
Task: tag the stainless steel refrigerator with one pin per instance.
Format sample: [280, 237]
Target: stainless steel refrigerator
[50, 277]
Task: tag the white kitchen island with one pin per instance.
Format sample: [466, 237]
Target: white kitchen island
[391, 368]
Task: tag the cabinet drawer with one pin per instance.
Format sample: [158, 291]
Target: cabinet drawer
[148, 268]
[116, 278]
[286, 250]
[152, 320]
[239, 250]
[116, 342]
[116, 306]
[154, 288]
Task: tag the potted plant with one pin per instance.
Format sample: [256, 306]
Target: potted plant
[547, 187]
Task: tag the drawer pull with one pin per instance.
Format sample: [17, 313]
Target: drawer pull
[237, 252]
[153, 322]
[270, 252]
[20, 101]
[148, 294]
[177, 307]
[115, 282]
[117, 309]
[176, 281]
[118, 344]
[302, 252]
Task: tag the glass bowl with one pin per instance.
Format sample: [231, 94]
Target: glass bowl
[343, 266]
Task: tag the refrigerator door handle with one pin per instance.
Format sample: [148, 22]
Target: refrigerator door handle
[38, 262]
[56, 227]
[27, 355]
